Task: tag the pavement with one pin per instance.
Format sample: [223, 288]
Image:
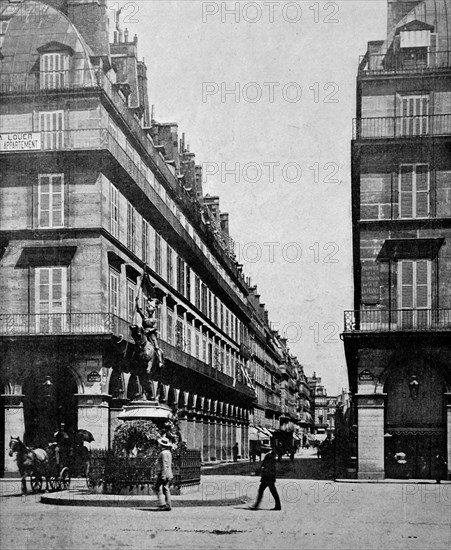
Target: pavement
[317, 514]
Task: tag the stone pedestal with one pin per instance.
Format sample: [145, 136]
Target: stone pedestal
[93, 415]
[14, 426]
[370, 436]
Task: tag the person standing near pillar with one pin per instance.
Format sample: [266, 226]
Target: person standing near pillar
[235, 452]
[268, 479]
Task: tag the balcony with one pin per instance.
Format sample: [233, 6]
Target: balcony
[376, 320]
[183, 359]
[390, 65]
[401, 127]
[63, 324]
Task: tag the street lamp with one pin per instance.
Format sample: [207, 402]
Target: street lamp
[48, 386]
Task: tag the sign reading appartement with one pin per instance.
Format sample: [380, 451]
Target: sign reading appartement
[20, 141]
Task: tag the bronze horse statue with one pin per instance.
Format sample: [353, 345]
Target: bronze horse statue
[146, 352]
[29, 461]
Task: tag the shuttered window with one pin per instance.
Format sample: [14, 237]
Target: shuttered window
[131, 227]
[158, 253]
[54, 70]
[414, 291]
[51, 299]
[114, 211]
[114, 293]
[51, 200]
[415, 111]
[51, 124]
[414, 191]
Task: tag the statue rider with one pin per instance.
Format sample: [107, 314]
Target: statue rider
[149, 323]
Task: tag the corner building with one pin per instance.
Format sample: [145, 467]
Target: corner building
[398, 338]
[92, 192]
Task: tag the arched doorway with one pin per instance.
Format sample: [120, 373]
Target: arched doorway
[49, 399]
[415, 420]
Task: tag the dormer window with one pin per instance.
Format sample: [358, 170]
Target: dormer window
[54, 70]
[416, 44]
[54, 65]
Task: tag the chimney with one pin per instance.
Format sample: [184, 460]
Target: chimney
[91, 19]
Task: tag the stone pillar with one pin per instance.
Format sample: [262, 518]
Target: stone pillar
[371, 435]
[448, 430]
[198, 436]
[14, 426]
[183, 423]
[245, 440]
[93, 415]
[212, 439]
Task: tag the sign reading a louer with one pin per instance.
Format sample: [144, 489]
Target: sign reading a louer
[20, 141]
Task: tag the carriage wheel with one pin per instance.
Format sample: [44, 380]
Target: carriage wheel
[64, 478]
[55, 483]
[36, 482]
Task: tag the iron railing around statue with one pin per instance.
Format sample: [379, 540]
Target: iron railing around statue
[110, 473]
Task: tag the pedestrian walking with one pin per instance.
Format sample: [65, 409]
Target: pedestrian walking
[164, 474]
[235, 452]
[268, 479]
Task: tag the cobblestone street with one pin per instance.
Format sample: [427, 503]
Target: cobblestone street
[315, 515]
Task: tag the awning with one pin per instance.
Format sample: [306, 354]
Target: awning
[254, 434]
[265, 431]
[410, 249]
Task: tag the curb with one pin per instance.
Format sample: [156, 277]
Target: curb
[120, 501]
[395, 481]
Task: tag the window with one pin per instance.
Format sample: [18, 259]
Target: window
[130, 300]
[169, 265]
[197, 344]
[414, 292]
[215, 310]
[221, 318]
[114, 293]
[158, 253]
[204, 305]
[180, 275]
[204, 349]
[114, 211]
[180, 333]
[145, 241]
[51, 299]
[131, 227]
[54, 70]
[51, 200]
[189, 335]
[414, 112]
[51, 124]
[188, 282]
[170, 326]
[413, 191]
[196, 291]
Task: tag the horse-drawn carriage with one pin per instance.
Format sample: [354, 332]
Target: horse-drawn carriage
[55, 465]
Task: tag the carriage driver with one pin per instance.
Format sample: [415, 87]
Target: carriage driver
[149, 323]
[62, 444]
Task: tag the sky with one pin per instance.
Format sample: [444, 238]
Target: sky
[265, 93]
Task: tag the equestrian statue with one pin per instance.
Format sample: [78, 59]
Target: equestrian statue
[145, 335]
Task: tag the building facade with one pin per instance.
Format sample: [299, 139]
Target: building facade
[94, 192]
[397, 339]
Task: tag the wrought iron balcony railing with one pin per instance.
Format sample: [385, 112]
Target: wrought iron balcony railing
[55, 324]
[383, 320]
[402, 126]
[386, 64]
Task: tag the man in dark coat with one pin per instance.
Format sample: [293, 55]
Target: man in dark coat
[268, 479]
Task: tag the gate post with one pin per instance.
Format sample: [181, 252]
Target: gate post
[14, 426]
[371, 435]
[448, 431]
